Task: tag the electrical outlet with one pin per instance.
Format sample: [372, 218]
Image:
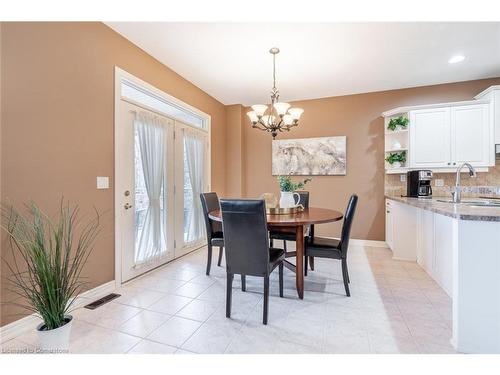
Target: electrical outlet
[438, 182]
[403, 178]
[102, 182]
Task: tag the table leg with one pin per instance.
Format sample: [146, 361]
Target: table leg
[299, 274]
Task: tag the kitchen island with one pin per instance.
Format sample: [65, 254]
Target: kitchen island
[459, 246]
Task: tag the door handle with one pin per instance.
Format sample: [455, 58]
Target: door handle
[127, 206]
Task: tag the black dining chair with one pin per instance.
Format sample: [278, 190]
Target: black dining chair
[332, 248]
[289, 235]
[247, 246]
[215, 237]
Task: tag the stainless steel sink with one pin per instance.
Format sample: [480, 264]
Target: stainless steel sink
[482, 203]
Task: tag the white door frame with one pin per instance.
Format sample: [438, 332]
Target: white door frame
[121, 75]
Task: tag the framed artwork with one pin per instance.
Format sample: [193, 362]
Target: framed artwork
[325, 156]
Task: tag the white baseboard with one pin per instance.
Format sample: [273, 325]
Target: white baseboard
[371, 243]
[30, 322]
[356, 242]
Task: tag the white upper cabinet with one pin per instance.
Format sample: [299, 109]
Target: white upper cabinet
[492, 94]
[430, 138]
[470, 135]
[445, 137]
[442, 136]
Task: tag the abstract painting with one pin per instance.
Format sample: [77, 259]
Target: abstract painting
[310, 156]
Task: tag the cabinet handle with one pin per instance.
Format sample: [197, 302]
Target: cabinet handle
[449, 163]
[454, 163]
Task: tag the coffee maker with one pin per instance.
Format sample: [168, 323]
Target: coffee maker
[418, 183]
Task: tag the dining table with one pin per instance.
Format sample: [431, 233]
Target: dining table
[295, 222]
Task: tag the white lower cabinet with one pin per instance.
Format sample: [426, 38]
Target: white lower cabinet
[423, 236]
[403, 223]
[443, 252]
[388, 223]
[425, 240]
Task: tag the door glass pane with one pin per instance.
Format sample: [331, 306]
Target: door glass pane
[194, 176]
[141, 206]
[188, 199]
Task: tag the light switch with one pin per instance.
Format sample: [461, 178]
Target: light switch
[103, 182]
[438, 182]
[403, 178]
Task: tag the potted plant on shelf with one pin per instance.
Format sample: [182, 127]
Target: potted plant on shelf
[46, 261]
[396, 159]
[398, 123]
[288, 188]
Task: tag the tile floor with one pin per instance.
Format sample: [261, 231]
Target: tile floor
[395, 307]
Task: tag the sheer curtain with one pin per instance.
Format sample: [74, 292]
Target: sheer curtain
[194, 143]
[151, 138]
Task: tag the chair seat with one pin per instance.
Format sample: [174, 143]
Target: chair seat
[218, 239]
[275, 256]
[286, 234]
[324, 248]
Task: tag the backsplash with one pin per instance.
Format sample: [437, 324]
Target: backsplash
[485, 184]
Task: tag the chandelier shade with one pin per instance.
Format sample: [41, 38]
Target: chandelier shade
[278, 116]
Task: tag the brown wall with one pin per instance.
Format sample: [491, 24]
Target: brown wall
[56, 126]
[234, 151]
[57, 84]
[358, 118]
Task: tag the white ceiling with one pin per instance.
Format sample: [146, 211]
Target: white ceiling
[231, 62]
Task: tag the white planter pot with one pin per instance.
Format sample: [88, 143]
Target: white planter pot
[396, 164]
[287, 199]
[55, 340]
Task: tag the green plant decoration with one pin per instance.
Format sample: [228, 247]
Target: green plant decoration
[400, 121]
[286, 183]
[47, 259]
[395, 157]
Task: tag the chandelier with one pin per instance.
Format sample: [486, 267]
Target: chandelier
[278, 116]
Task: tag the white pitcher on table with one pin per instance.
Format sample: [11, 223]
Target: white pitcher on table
[287, 199]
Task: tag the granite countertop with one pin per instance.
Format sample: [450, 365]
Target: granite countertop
[458, 211]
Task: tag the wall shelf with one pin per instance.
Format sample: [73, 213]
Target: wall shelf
[401, 170]
[396, 132]
[397, 149]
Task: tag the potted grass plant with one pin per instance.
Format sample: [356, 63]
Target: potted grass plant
[46, 264]
[288, 188]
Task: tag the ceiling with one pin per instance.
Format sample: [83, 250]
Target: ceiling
[231, 62]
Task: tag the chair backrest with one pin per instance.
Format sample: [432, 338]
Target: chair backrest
[346, 227]
[304, 198]
[210, 202]
[246, 236]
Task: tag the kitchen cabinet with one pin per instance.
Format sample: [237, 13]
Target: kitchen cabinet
[471, 132]
[448, 136]
[492, 94]
[440, 137]
[402, 229]
[459, 248]
[423, 236]
[430, 138]
[388, 223]
[442, 271]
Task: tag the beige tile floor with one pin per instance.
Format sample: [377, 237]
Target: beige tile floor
[395, 307]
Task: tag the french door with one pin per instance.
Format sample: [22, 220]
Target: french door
[161, 170]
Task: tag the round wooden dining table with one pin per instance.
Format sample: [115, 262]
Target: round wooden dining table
[296, 222]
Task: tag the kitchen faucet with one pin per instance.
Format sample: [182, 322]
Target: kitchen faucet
[458, 188]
